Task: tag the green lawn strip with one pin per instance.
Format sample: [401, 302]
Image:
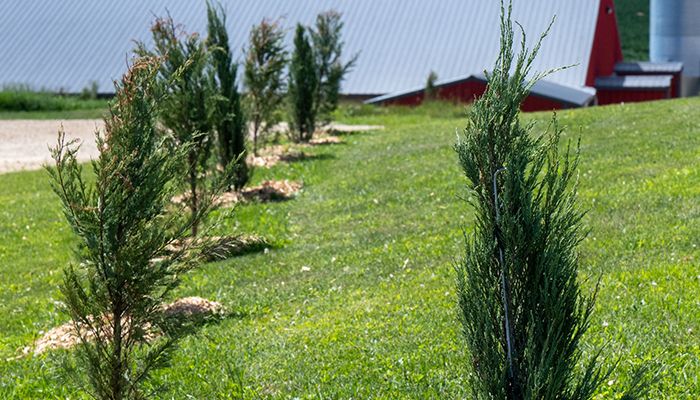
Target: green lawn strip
[356, 296]
[93, 113]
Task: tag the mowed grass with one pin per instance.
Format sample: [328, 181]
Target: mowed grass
[356, 298]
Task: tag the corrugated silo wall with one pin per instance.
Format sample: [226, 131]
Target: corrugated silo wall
[675, 36]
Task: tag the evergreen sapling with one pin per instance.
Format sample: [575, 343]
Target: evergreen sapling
[227, 115]
[185, 111]
[303, 83]
[114, 294]
[327, 43]
[265, 60]
[522, 309]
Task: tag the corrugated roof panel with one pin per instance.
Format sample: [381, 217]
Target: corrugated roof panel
[646, 67]
[63, 44]
[579, 96]
[634, 82]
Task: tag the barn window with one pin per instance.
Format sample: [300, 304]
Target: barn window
[608, 10]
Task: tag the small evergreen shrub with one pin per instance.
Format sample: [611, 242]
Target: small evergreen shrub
[185, 111]
[303, 83]
[522, 309]
[265, 60]
[326, 39]
[227, 115]
[124, 272]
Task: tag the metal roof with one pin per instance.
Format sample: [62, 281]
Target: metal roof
[634, 82]
[576, 96]
[66, 44]
[645, 67]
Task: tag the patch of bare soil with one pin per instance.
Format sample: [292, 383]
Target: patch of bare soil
[66, 337]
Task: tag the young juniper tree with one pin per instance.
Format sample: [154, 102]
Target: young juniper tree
[264, 63]
[522, 309]
[330, 70]
[303, 82]
[184, 111]
[228, 119]
[114, 293]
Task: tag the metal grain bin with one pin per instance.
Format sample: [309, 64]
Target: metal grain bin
[675, 36]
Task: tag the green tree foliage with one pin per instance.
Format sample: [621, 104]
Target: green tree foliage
[227, 116]
[264, 63]
[185, 111]
[303, 83]
[522, 309]
[125, 271]
[430, 89]
[327, 43]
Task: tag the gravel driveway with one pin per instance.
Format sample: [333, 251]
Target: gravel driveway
[24, 144]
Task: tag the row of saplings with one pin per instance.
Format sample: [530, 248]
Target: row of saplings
[204, 108]
[522, 309]
[178, 101]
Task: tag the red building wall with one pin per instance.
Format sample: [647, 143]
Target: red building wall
[469, 90]
[606, 50]
[630, 96]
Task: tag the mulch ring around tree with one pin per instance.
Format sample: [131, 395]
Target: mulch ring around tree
[273, 155]
[325, 140]
[66, 337]
[265, 192]
[216, 248]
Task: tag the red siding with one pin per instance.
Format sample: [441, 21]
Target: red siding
[606, 50]
[469, 90]
[608, 96]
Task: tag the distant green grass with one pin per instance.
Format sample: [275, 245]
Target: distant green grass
[21, 103]
[633, 23]
[95, 113]
[379, 225]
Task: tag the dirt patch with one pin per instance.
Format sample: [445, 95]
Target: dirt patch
[65, 336]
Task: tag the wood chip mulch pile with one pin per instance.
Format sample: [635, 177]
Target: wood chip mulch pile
[65, 337]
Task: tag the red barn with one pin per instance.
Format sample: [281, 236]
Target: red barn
[584, 36]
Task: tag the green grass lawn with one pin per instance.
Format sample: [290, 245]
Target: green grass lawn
[379, 226]
[633, 23]
[92, 113]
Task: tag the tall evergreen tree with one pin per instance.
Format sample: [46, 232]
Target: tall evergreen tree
[228, 119]
[303, 83]
[185, 111]
[264, 64]
[124, 273]
[522, 309]
[327, 43]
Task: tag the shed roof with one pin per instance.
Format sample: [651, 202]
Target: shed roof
[634, 82]
[575, 96]
[645, 67]
[66, 44]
